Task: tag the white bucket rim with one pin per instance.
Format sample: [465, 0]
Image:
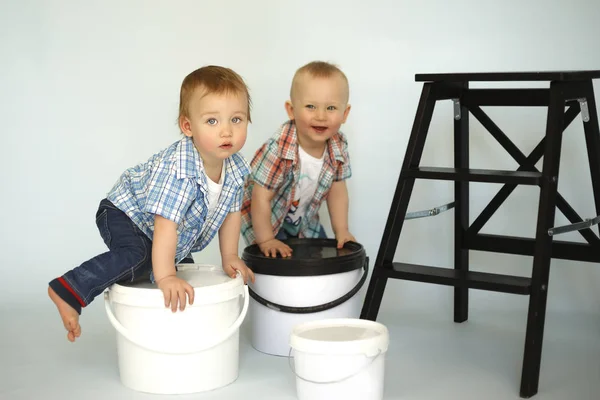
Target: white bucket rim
[153, 297]
[370, 347]
[170, 347]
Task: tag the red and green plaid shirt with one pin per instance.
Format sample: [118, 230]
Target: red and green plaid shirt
[276, 167]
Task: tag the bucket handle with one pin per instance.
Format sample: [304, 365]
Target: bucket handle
[202, 345]
[373, 358]
[314, 309]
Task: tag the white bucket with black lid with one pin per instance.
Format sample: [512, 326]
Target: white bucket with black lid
[319, 281]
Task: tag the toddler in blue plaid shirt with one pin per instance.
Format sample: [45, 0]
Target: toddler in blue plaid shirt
[159, 211]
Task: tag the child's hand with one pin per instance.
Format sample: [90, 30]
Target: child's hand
[174, 290]
[271, 247]
[231, 264]
[344, 237]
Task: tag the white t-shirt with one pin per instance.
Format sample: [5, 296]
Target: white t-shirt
[310, 169]
[214, 190]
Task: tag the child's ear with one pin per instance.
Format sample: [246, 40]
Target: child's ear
[185, 126]
[346, 112]
[289, 108]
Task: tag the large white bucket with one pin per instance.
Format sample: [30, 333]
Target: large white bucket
[184, 352]
[304, 287]
[339, 359]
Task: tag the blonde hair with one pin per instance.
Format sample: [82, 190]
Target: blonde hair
[213, 79]
[318, 69]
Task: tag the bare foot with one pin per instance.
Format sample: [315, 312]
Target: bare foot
[69, 316]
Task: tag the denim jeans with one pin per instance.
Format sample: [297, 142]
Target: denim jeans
[129, 258]
[283, 235]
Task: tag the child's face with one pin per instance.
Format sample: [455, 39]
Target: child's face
[319, 108]
[217, 123]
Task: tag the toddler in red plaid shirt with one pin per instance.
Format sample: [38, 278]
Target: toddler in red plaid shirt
[304, 163]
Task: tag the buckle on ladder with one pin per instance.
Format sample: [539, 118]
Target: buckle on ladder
[585, 112]
[457, 114]
[429, 213]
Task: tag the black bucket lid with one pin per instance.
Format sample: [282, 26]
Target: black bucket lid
[309, 257]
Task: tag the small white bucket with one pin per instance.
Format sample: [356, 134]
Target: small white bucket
[192, 351]
[339, 359]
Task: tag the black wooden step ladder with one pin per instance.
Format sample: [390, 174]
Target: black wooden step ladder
[571, 89]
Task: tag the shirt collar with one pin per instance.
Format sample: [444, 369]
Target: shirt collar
[288, 143]
[189, 163]
[237, 168]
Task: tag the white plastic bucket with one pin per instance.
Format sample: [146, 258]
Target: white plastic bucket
[192, 351]
[339, 359]
[293, 291]
[271, 327]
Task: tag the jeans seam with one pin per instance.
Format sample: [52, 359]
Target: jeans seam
[136, 267]
[122, 274]
[104, 223]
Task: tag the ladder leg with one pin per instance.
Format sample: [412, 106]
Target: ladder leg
[541, 260]
[395, 219]
[461, 213]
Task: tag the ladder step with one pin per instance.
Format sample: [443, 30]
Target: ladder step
[451, 277]
[475, 175]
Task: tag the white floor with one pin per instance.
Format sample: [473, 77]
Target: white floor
[430, 357]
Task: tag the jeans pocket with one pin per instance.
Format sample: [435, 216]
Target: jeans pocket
[102, 224]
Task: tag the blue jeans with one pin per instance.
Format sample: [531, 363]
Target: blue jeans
[283, 235]
[129, 258]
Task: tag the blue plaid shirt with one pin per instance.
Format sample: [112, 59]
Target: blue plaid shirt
[172, 184]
